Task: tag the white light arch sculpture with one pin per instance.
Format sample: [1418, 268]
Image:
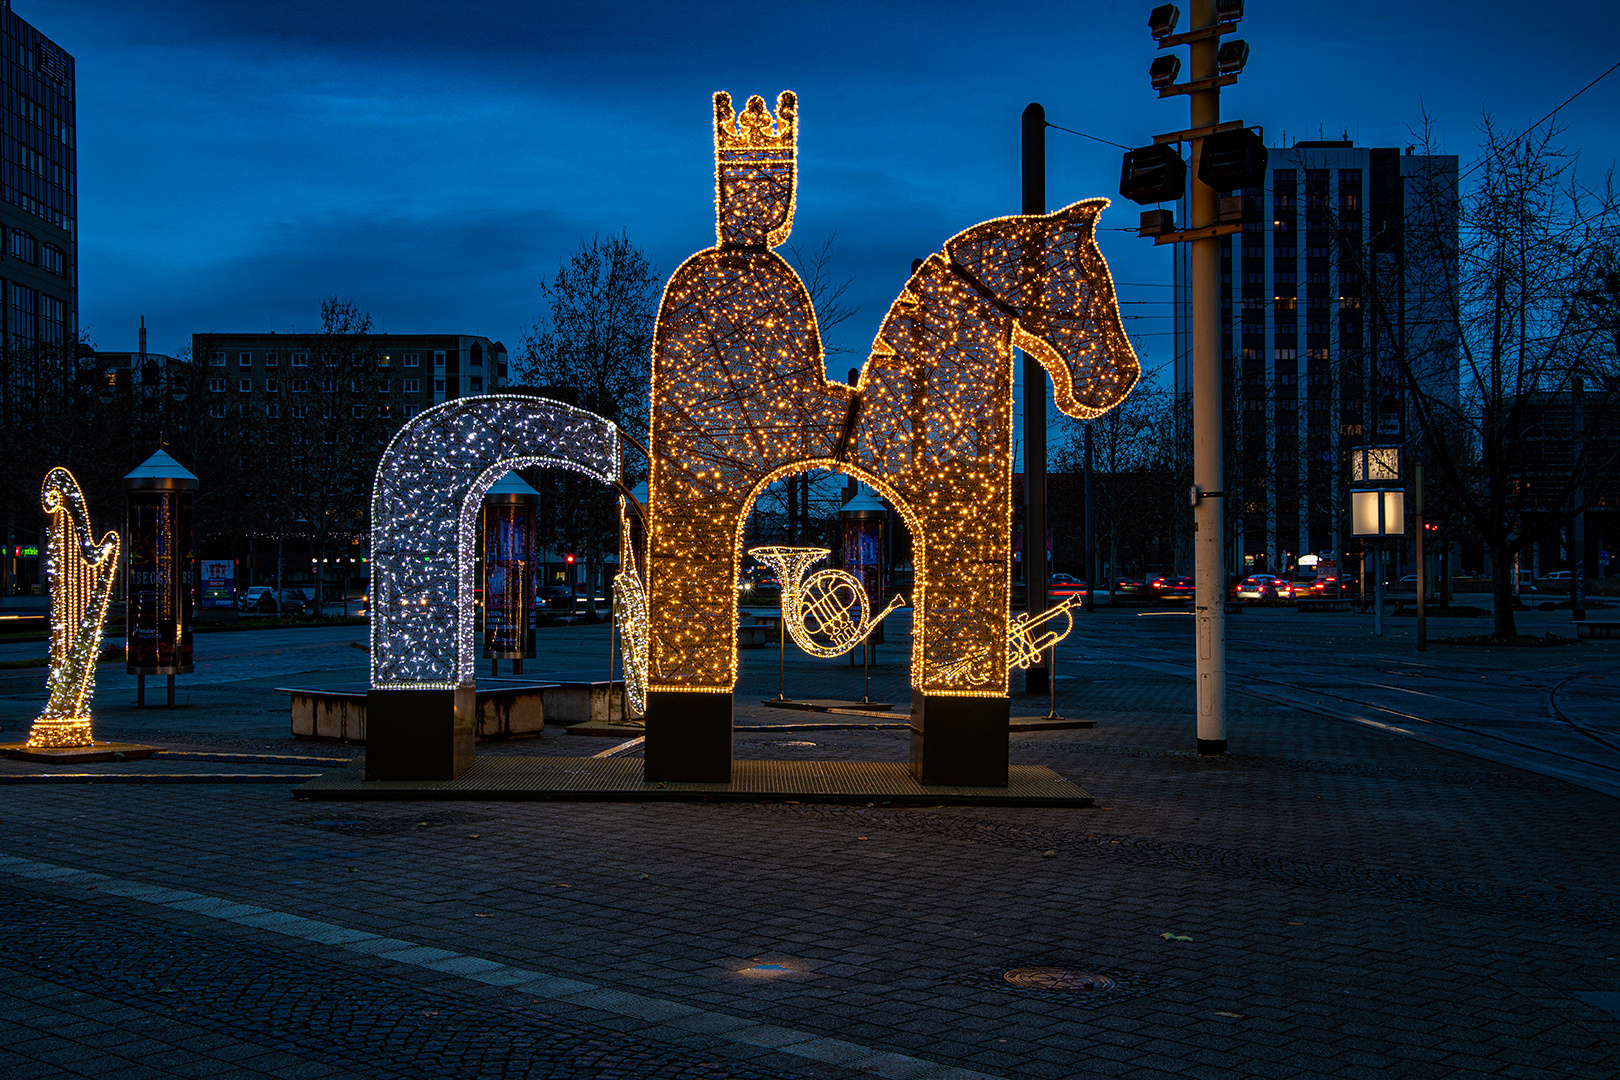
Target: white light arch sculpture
[424, 509]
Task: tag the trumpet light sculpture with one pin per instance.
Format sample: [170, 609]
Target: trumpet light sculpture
[80, 575]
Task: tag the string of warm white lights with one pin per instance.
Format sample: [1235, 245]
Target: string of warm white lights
[630, 615]
[424, 517]
[740, 398]
[79, 574]
[817, 610]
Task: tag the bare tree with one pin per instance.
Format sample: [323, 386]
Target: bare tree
[596, 342]
[1519, 299]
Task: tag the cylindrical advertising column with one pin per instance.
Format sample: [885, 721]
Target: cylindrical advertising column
[160, 582]
[510, 509]
[863, 521]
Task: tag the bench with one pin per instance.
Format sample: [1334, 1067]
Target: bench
[1598, 627]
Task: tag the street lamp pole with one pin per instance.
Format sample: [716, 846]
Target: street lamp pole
[1209, 509]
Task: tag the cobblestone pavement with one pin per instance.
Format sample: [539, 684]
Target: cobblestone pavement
[1339, 901]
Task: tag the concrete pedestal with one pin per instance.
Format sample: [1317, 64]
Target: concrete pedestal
[688, 737]
[959, 740]
[419, 734]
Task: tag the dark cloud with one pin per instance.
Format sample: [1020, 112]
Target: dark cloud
[239, 160]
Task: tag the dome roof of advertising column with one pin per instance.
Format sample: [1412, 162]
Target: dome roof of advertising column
[161, 471]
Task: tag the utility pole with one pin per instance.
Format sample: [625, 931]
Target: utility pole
[1226, 157]
[1038, 678]
[1209, 468]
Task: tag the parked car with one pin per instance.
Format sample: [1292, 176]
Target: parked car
[1263, 587]
[1063, 586]
[1173, 588]
[293, 601]
[1556, 575]
[555, 597]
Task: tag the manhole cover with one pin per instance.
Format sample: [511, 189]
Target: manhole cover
[1051, 978]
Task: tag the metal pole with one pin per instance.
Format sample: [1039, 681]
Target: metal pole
[1422, 567]
[1090, 531]
[866, 670]
[140, 691]
[1038, 677]
[781, 651]
[1209, 513]
[1577, 527]
[1378, 577]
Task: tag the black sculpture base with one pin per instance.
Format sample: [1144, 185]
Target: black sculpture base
[959, 740]
[419, 734]
[688, 737]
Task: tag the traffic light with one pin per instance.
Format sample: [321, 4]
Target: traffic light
[1232, 159]
[1152, 174]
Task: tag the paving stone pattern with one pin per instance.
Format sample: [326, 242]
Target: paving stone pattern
[1358, 905]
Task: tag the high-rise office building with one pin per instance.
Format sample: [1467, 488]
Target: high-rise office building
[1323, 294]
[38, 189]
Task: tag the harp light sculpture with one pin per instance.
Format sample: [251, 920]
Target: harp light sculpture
[80, 573]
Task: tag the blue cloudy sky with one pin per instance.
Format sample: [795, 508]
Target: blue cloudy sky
[238, 161]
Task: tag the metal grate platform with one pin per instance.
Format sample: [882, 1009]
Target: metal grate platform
[619, 779]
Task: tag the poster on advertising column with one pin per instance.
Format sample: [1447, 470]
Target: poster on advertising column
[218, 583]
[509, 581]
[160, 577]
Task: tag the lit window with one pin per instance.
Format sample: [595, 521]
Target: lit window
[385, 360]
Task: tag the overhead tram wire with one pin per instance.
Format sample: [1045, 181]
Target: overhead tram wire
[1083, 135]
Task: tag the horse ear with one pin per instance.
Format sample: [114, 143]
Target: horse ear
[1086, 211]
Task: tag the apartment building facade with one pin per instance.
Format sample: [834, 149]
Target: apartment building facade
[243, 375]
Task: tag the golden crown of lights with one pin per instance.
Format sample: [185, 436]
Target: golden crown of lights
[753, 132]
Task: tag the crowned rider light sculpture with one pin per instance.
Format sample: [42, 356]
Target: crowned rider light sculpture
[740, 398]
[80, 573]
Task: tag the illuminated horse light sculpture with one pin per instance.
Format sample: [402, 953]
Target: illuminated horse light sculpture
[740, 398]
